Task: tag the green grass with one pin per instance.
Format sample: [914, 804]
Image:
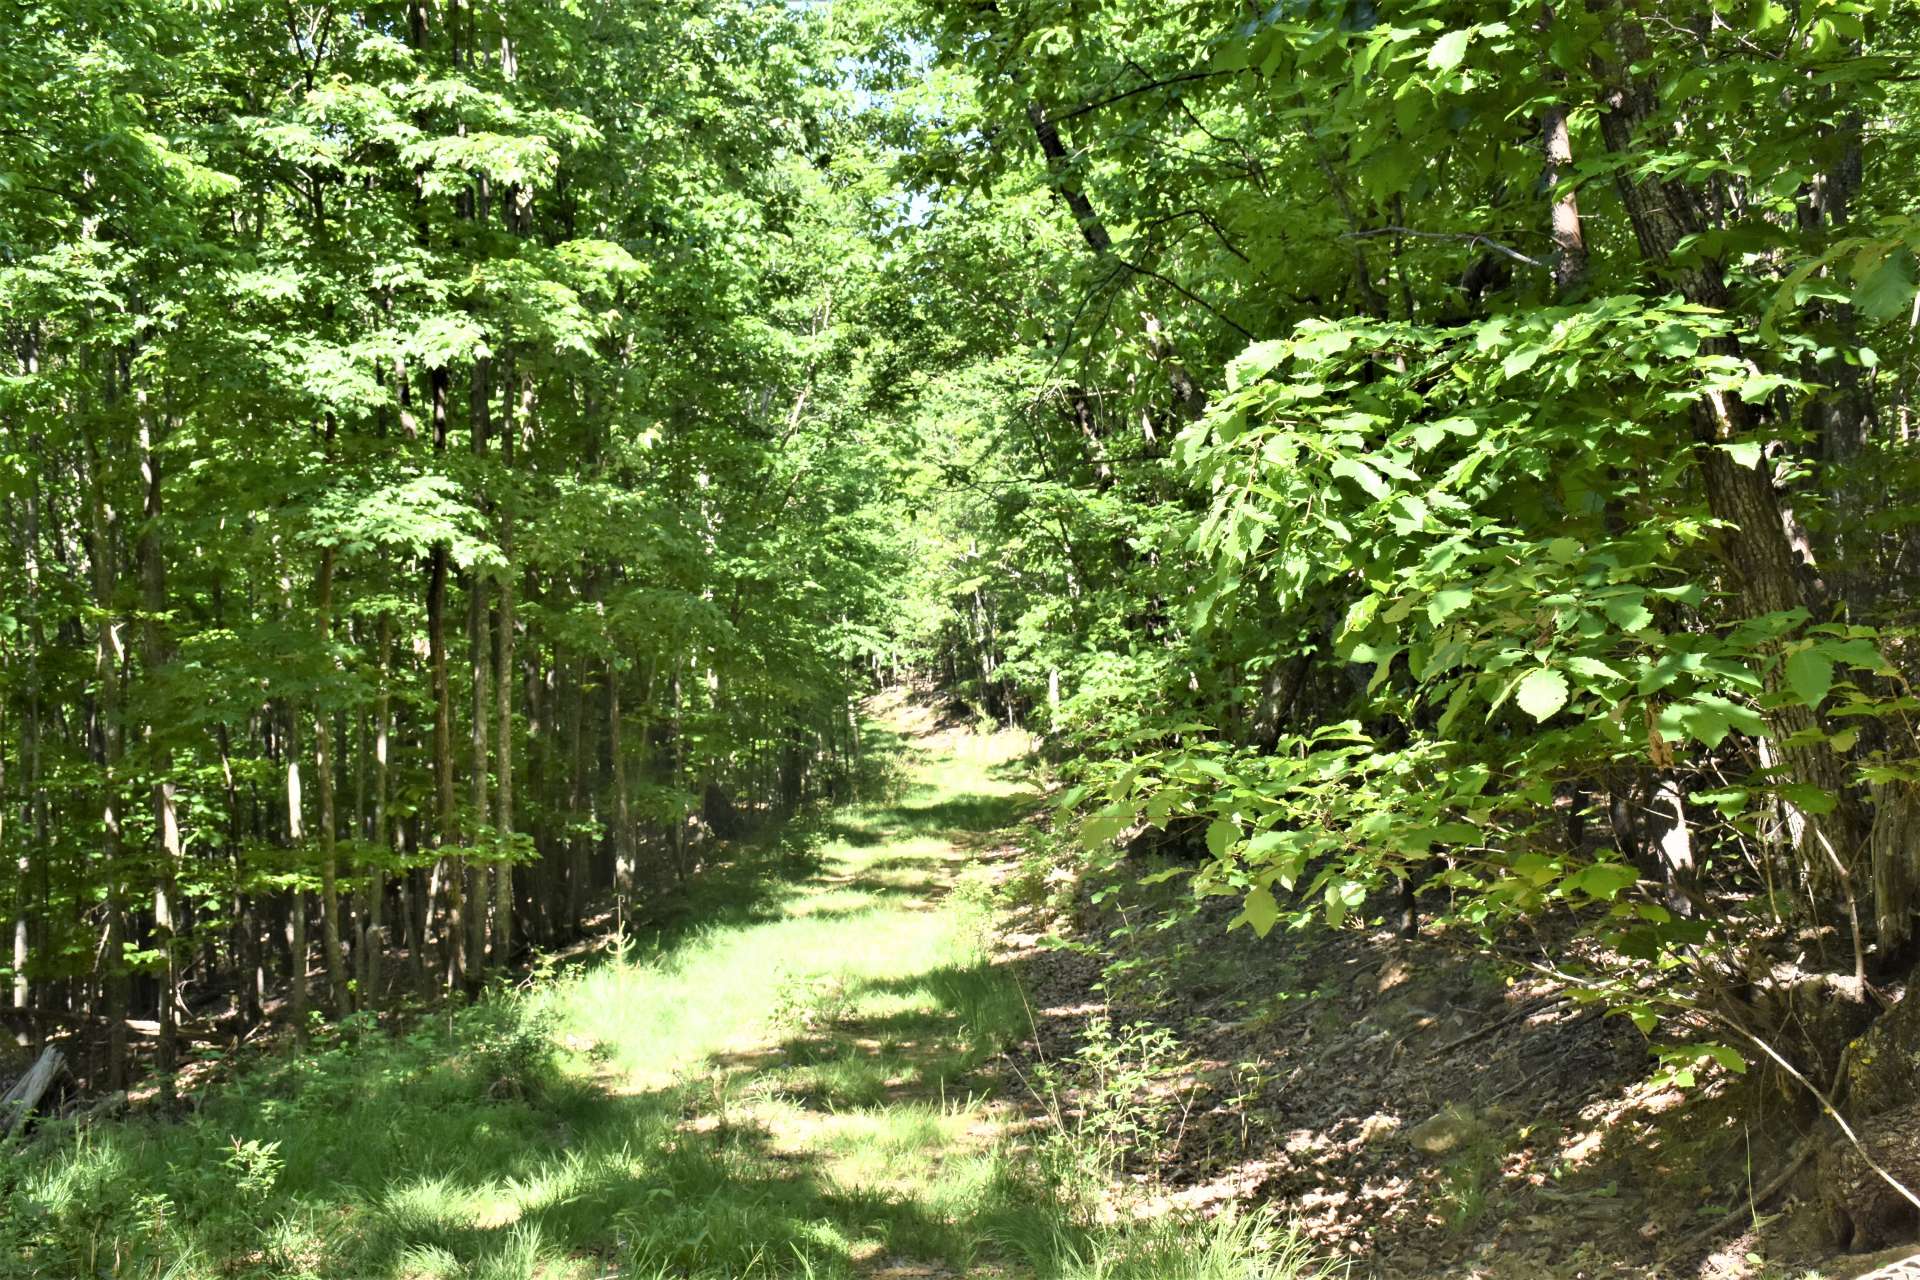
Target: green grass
[793, 1080]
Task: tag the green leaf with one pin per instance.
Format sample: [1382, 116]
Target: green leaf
[1261, 911]
[1603, 881]
[1676, 340]
[1222, 835]
[1727, 1056]
[1342, 897]
[1542, 693]
[1628, 613]
[1449, 49]
[1729, 800]
[1809, 675]
[1363, 475]
[1102, 827]
[1447, 602]
[1883, 286]
[1745, 453]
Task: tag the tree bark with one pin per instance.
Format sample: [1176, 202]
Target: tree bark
[339, 997]
[480, 666]
[446, 833]
[166, 819]
[622, 817]
[296, 896]
[107, 657]
[1757, 550]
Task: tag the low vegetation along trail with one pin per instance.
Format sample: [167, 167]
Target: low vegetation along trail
[807, 1081]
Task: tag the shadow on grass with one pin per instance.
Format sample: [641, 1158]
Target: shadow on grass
[956, 1019]
[742, 884]
[460, 1153]
[461, 1149]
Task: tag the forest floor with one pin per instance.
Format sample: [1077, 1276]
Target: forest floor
[808, 1079]
[1415, 1112]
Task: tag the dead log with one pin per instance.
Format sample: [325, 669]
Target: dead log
[111, 1105]
[27, 1091]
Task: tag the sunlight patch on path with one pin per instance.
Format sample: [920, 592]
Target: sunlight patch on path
[845, 1034]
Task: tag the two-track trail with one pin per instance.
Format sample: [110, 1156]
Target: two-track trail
[823, 1061]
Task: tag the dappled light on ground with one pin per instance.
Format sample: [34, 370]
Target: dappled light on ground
[798, 1078]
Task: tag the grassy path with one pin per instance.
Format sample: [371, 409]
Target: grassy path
[798, 1085]
[819, 1062]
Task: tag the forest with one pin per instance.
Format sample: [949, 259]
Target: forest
[1056, 639]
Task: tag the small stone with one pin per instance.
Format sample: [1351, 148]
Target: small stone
[1451, 1128]
[1377, 1126]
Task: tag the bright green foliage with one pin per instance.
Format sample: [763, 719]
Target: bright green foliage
[360, 362]
[1441, 445]
[1386, 446]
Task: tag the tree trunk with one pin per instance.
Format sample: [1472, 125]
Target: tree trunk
[1757, 549]
[446, 833]
[503, 754]
[296, 896]
[479, 666]
[107, 656]
[622, 818]
[35, 817]
[338, 995]
[375, 944]
[577, 809]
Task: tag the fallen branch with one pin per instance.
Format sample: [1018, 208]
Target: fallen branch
[1747, 1211]
[112, 1104]
[1539, 1004]
[27, 1091]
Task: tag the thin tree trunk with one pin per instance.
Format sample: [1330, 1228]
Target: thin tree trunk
[107, 656]
[339, 997]
[297, 896]
[36, 814]
[622, 823]
[503, 676]
[376, 937]
[503, 791]
[576, 803]
[446, 832]
[480, 663]
[166, 819]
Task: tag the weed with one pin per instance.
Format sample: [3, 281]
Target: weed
[809, 1005]
[1232, 1246]
[1111, 1104]
[1467, 1181]
[254, 1167]
[511, 1051]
